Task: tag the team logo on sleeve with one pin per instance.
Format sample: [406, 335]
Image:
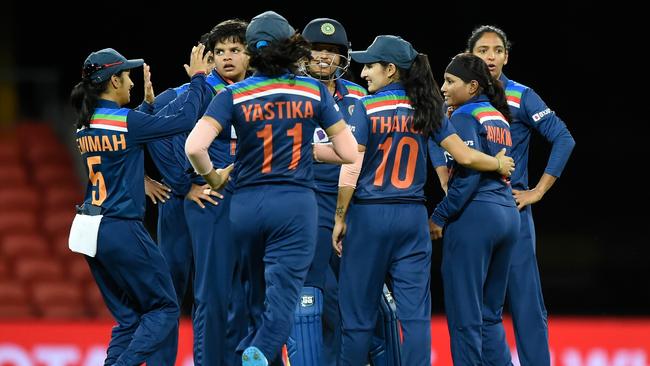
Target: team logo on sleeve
[320, 136]
[351, 109]
[539, 115]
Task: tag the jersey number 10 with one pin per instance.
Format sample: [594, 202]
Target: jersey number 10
[395, 180]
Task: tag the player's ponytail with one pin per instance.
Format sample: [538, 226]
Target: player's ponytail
[84, 98]
[424, 94]
[278, 57]
[497, 96]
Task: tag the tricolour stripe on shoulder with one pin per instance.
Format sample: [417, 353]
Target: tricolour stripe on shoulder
[483, 114]
[513, 93]
[110, 119]
[385, 102]
[354, 90]
[242, 93]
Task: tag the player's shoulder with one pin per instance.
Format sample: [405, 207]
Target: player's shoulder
[354, 90]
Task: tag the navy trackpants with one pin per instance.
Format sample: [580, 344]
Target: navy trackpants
[320, 275]
[526, 303]
[276, 226]
[477, 247]
[134, 280]
[215, 254]
[386, 239]
[176, 246]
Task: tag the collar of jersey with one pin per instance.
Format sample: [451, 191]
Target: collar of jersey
[391, 86]
[103, 103]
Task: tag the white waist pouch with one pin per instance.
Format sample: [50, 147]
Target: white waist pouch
[83, 234]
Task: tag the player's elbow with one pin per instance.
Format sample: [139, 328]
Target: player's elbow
[465, 159]
[192, 150]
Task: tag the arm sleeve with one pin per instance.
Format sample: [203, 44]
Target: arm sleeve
[552, 128]
[144, 128]
[436, 154]
[464, 182]
[197, 144]
[349, 174]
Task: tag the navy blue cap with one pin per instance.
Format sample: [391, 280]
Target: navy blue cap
[268, 27]
[391, 49]
[325, 30]
[101, 65]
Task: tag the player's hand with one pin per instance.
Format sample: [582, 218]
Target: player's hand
[435, 231]
[525, 198]
[217, 179]
[156, 190]
[198, 194]
[198, 61]
[337, 236]
[450, 111]
[506, 163]
[149, 95]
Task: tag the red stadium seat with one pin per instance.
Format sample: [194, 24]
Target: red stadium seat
[58, 221]
[59, 299]
[14, 301]
[17, 222]
[5, 272]
[60, 248]
[30, 131]
[19, 197]
[77, 268]
[12, 175]
[29, 270]
[53, 175]
[23, 245]
[9, 151]
[62, 197]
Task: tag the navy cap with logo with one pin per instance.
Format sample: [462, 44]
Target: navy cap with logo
[101, 65]
[391, 49]
[268, 27]
[328, 31]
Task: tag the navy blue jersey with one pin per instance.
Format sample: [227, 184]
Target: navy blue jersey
[437, 155]
[529, 112]
[274, 119]
[326, 176]
[112, 149]
[395, 162]
[169, 154]
[485, 129]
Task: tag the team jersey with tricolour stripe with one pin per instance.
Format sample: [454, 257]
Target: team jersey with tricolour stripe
[395, 161]
[484, 128]
[112, 150]
[530, 113]
[326, 176]
[274, 119]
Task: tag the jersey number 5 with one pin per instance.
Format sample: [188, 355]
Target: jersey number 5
[395, 180]
[97, 180]
[266, 134]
